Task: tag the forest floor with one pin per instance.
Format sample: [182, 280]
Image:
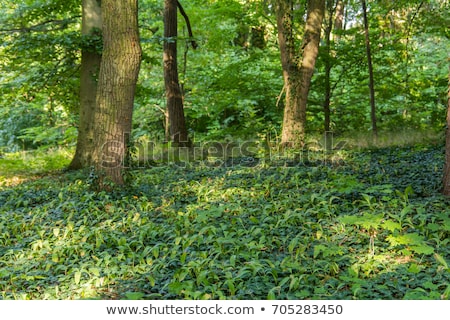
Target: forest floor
[361, 224]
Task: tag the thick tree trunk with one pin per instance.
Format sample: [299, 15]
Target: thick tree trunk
[116, 88]
[446, 178]
[300, 74]
[177, 123]
[370, 68]
[90, 65]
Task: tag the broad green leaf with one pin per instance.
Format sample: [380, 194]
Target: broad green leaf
[95, 271]
[414, 268]
[422, 249]
[292, 245]
[134, 295]
[441, 260]
[271, 295]
[56, 232]
[391, 225]
[318, 249]
[77, 277]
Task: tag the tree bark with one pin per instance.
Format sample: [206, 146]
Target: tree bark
[446, 178]
[328, 67]
[335, 9]
[90, 65]
[370, 68]
[177, 122]
[285, 22]
[116, 89]
[298, 71]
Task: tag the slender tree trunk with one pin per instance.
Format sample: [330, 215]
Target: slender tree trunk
[335, 11]
[370, 67]
[446, 178]
[300, 71]
[177, 123]
[116, 88]
[90, 65]
[328, 66]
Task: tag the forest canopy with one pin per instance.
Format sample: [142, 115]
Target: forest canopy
[232, 85]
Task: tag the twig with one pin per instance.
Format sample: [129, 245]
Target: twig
[37, 28]
[188, 24]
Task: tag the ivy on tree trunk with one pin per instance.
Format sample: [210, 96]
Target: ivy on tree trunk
[297, 68]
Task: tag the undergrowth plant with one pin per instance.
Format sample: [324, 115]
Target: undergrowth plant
[371, 226]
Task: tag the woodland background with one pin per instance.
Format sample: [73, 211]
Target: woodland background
[232, 83]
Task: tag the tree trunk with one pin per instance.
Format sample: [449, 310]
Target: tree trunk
[335, 11]
[328, 67]
[298, 72]
[370, 68]
[446, 178]
[177, 123]
[284, 12]
[116, 88]
[90, 65]
[339, 20]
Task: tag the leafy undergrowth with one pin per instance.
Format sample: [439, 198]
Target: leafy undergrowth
[21, 166]
[370, 225]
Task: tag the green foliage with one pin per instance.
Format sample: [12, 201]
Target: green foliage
[410, 83]
[39, 57]
[311, 230]
[246, 107]
[16, 166]
[232, 87]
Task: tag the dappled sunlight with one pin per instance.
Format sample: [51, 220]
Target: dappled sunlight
[397, 138]
[20, 167]
[7, 181]
[316, 231]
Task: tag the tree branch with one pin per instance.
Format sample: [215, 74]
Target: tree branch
[188, 24]
[39, 27]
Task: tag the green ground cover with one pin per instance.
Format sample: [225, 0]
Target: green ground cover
[365, 224]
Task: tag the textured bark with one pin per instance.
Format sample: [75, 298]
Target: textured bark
[116, 88]
[177, 123]
[299, 70]
[284, 12]
[90, 65]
